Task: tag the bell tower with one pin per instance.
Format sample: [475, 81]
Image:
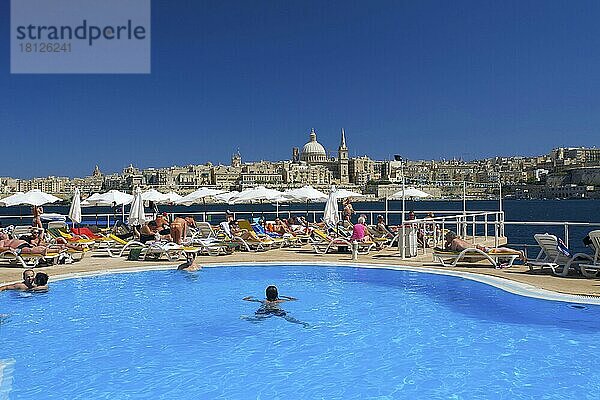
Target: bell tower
[343, 160]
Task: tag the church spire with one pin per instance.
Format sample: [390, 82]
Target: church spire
[343, 141]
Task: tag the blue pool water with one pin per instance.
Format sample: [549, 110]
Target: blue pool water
[373, 334]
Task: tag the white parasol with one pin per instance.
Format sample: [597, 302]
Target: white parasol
[155, 196]
[34, 197]
[344, 193]
[256, 194]
[75, 210]
[306, 193]
[227, 196]
[110, 198]
[410, 192]
[137, 216]
[198, 196]
[332, 215]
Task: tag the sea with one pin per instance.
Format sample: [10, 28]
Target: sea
[561, 211]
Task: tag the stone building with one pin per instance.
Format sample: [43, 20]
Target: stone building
[313, 154]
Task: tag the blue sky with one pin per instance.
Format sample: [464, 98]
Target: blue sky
[424, 79]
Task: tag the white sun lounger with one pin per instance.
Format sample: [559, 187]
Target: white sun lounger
[27, 260]
[472, 255]
[592, 270]
[552, 256]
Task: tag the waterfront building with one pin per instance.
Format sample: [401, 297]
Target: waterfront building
[225, 177]
[565, 157]
[264, 173]
[8, 185]
[299, 174]
[566, 172]
[362, 170]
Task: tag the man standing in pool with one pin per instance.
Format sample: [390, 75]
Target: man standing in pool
[270, 307]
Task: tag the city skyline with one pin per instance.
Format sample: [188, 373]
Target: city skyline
[353, 154]
[427, 80]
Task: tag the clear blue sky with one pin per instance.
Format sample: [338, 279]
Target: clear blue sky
[424, 79]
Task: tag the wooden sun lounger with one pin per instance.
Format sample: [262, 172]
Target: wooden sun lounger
[473, 255]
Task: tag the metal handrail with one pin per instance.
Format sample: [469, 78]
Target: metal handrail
[464, 222]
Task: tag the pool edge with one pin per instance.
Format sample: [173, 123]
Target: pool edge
[518, 288]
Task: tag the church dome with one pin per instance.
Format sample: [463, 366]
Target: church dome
[313, 151]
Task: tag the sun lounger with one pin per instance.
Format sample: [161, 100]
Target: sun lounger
[20, 230]
[323, 243]
[28, 260]
[555, 255]
[256, 242]
[114, 246]
[472, 255]
[592, 270]
[214, 246]
[227, 235]
[172, 251]
[203, 230]
[287, 239]
[57, 233]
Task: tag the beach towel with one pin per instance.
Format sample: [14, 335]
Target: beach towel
[562, 247]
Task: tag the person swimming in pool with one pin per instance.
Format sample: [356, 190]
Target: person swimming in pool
[270, 307]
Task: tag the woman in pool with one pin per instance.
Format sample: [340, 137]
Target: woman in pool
[270, 307]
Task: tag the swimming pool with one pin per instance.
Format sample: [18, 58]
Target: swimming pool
[373, 334]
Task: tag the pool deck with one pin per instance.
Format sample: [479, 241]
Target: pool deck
[573, 285]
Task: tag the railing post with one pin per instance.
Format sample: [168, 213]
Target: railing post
[567, 234]
[485, 226]
[354, 251]
[496, 229]
[443, 225]
[401, 244]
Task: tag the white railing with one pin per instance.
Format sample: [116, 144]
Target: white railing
[470, 225]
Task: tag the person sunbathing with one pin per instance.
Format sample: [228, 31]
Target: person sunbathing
[20, 246]
[36, 239]
[359, 231]
[454, 243]
[149, 232]
[178, 229]
[280, 227]
[382, 229]
[231, 229]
